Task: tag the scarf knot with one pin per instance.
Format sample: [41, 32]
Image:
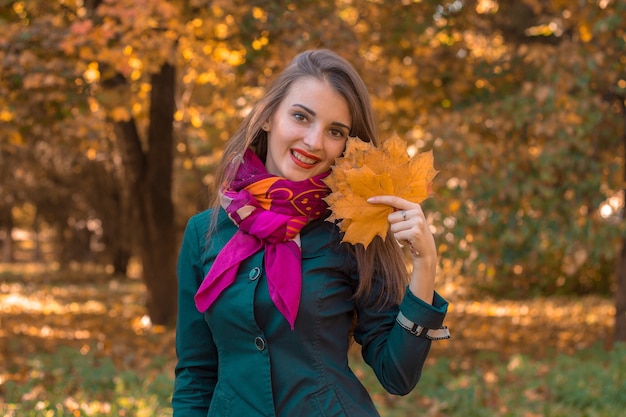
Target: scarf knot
[270, 212]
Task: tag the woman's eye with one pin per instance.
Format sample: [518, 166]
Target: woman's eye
[337, 133]
[299, 117]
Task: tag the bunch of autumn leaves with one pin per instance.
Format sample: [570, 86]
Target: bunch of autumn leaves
[365, 171]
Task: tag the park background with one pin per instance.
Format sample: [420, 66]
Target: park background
[113, 114]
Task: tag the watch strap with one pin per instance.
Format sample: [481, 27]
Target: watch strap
[433, 334]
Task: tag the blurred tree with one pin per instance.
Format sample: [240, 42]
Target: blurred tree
[519, 100]
[7, 200]
[147, 155]
[59, 156]
[538, 157]
[620, 290]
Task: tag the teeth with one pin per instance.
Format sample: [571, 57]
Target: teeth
[303, 158]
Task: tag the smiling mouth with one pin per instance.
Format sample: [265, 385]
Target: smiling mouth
[303, 160]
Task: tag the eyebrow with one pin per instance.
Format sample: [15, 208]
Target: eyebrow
[308, 110]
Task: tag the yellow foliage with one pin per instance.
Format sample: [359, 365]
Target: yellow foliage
[259, 14]
[455, 205]
[92, 73]
[5, 115]
[585, 33]
[120, 114]
[366, 171]
[221, 31]
[91, 154]
[350, 15]
[236, 58]
[206, 78]
[135, 75]
[196, 121]
[15, 138]
[487, 7]
[257, 44]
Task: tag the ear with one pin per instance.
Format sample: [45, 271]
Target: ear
[266, 126]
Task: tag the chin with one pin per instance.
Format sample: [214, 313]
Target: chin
[297, 177]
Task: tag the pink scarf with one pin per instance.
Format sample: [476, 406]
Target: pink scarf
[270, 212]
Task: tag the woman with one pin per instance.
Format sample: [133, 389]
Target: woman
[269, 296]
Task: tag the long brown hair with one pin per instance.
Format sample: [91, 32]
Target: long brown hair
[383, 258]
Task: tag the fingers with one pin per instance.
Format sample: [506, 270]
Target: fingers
[403, 209]
[408, 225]
[411, 228]
[393, 201]
[405, 218]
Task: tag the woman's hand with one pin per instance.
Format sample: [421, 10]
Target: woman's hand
[409, 226]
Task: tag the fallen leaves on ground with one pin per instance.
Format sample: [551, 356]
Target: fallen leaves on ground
[95, 312]
[89, 311]
[537, 327]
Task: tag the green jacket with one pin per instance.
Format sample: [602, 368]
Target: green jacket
[241, 359]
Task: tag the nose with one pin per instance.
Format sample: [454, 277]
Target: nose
[314, 138]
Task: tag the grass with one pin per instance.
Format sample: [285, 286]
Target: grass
[72, 383]
[590, 383]
[79, 344]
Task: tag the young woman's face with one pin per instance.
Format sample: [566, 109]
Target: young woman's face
[308, 130]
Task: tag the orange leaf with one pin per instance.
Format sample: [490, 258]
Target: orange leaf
[365, 171]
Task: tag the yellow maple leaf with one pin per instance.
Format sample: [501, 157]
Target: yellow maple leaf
[366, 171]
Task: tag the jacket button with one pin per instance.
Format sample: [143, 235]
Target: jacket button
[259, 343]
[254, 273]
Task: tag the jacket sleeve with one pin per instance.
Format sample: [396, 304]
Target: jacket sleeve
[196, 368]
[394, 353]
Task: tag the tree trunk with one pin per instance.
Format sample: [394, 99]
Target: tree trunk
[150, 175]
[620, 297]
[159, 244]
[7, 243]
[119, 222]
[118, 215]
[7, 246]
[620, 289]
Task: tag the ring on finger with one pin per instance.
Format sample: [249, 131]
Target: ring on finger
[403, 212]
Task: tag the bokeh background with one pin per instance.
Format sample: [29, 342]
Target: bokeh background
[114, 113]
